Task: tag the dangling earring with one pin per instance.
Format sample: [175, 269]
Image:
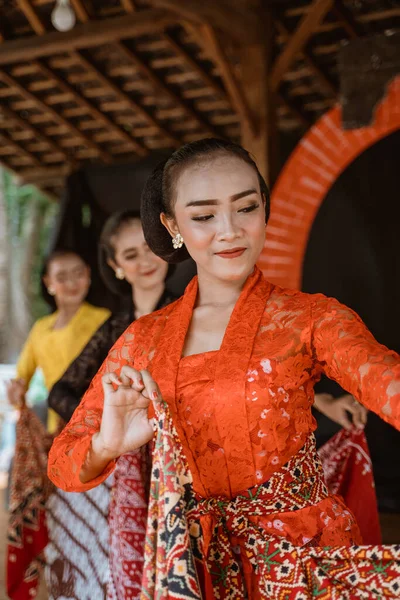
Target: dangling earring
[119, 273]
[177, 241]
[51, 291]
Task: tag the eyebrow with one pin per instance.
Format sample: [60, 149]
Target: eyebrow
[213, 202]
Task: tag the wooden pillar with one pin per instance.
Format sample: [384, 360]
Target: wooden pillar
[261, 140]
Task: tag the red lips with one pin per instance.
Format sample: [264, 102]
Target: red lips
[148, 273]
[231, 253]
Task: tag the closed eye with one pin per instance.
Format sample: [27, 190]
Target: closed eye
[203, 218]
[250, 208]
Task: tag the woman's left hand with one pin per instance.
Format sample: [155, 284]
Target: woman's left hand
[337, 410]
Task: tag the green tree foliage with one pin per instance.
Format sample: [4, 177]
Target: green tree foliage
[22, 201]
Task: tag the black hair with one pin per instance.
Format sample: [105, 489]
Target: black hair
[159, 191]
[54, 255]
[112, 227]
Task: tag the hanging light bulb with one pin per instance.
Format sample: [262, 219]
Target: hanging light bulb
[63, 16]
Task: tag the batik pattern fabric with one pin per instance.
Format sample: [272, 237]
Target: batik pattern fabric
[63, 536]
[127, 521]
[27, 534]
[77, 553]
[183, 526]
[348, 473]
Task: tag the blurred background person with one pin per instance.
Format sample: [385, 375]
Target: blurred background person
[133, 272]
[54, 341]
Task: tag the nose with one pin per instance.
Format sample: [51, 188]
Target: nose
[228, 229]
[145, 259]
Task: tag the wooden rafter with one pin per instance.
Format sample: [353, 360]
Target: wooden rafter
[80, 11]
[207, 79]
[137, 108]
[20, 150]
[238, 19]
[30, 13]
[163, 88]
[43, 176]
[295, 110]
[128, 6]
[36, 133]
[299, 39]
[308, 58]
[89, 65]
[84, 35]
[90, 107]
[181, 51]
[56, 116]
[232, 85]
[345, 17]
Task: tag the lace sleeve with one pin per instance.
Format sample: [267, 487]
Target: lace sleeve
[348, 353]
[67, 392]
[69, 449]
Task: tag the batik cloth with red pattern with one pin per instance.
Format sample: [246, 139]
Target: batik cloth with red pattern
[348, 472]
[27, 534]
[182, 527]
[127, 521]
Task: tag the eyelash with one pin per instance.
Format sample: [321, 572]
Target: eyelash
[245, 210]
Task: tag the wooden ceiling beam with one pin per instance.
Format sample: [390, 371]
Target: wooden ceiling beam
[106, 81]
[164, 89]
[84, 35]
[239, 19]
[36, 133]
[19, 150]
[181, 51]
[35, 22]
[235, 92]
[346, 19]
[80, 11]
[128, 6]
[308, 58]
[43, 176]
[296, 112]
[90, 107]
[299, 39]
[56, 116]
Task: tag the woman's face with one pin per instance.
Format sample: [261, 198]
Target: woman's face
[219, 211]
[69, 278]
[141, 267]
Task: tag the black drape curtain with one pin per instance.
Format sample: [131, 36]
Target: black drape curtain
[353, 255]
[92, 194]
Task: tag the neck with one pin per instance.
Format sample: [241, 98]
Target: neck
[145, 301]
[65, 314]
[217, 292]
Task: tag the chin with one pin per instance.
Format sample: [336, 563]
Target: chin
[151, 282]
[234, 272]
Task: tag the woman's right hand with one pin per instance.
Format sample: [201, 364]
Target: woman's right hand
[16, 390]
[125, 425]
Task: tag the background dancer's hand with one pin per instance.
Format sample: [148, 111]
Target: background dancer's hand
[16, 390]
[125, 425]
[338, 409]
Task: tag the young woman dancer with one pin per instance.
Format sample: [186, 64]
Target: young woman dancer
[238, 503]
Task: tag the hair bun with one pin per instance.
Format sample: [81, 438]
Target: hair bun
[151, 207]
